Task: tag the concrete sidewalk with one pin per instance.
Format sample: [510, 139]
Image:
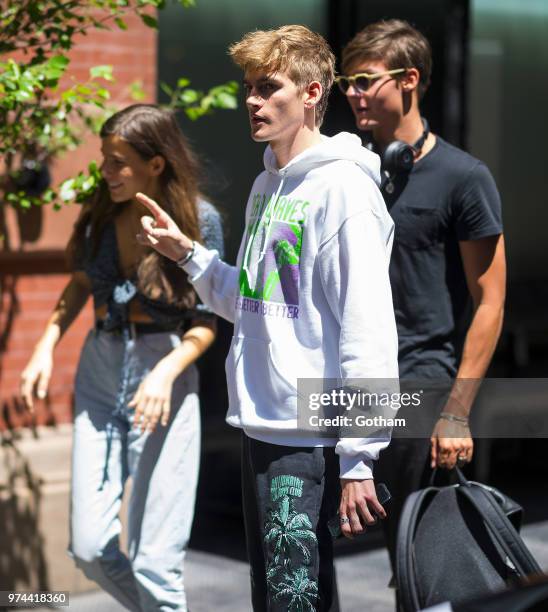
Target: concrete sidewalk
[220, 584]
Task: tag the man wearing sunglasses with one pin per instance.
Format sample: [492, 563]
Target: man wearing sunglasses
[448, 251]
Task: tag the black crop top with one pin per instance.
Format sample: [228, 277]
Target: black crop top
[108, 286]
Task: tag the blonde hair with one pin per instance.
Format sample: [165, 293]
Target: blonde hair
[396, 43]
[294, 49]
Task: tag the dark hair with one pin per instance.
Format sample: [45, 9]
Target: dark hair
[396, 43]
[150, 131]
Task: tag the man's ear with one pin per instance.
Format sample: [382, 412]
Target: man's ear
[312, 94]
[157, 165]
[410, 80]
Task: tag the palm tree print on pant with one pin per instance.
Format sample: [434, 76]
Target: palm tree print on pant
[301, 592]
[289, 535]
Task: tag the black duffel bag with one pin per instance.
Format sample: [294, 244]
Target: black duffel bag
[458, 542]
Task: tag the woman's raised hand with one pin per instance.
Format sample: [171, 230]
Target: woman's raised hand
[160, 232]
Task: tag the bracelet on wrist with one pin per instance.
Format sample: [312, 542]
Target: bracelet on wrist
[189, 255]
[453, 417]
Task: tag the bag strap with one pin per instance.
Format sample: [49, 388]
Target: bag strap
[405, 562]
[501, 528]
[460, 476]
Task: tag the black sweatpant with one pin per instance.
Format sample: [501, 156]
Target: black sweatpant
[289, 494]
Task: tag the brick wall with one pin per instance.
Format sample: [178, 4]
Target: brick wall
[32, 276]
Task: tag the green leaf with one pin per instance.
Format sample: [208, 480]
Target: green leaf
[101, 72]
[55, 67]
[65, 41]
[166, 89]
[183, 82]
[23, 96]
[136, 91]
[120, 23]
[194, 112]
[207, 102]
[88, 183]
[233, 86]
[189, 96]
[150, 21]
[93, 168]
[58, 62]
[14, 68]
[227, 100]
[66, 190]
[48, 196]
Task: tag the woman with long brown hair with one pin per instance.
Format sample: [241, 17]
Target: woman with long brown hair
[136, 389]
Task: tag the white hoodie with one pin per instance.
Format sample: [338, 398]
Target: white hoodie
[310, 295]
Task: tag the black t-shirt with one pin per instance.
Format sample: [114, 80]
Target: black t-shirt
[447, 197]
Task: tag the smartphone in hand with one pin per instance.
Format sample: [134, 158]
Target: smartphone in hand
[334, 524]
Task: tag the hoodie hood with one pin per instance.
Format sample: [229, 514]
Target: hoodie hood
[343, 146]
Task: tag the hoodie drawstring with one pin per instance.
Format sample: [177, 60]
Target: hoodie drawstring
[262, 252]
[264, 243]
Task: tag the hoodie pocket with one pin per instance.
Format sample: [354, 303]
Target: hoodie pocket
[257, 384]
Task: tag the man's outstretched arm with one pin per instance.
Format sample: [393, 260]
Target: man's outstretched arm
[215, 281]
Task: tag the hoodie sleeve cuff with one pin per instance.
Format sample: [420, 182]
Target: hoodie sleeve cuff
[355, 468]
[200, 262]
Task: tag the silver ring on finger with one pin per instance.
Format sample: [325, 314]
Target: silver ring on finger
[344, 520]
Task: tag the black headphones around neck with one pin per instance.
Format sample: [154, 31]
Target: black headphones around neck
[399, 156]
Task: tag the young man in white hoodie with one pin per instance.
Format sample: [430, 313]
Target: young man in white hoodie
[309, 298]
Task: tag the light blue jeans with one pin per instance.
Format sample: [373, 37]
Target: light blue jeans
[163, 466]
